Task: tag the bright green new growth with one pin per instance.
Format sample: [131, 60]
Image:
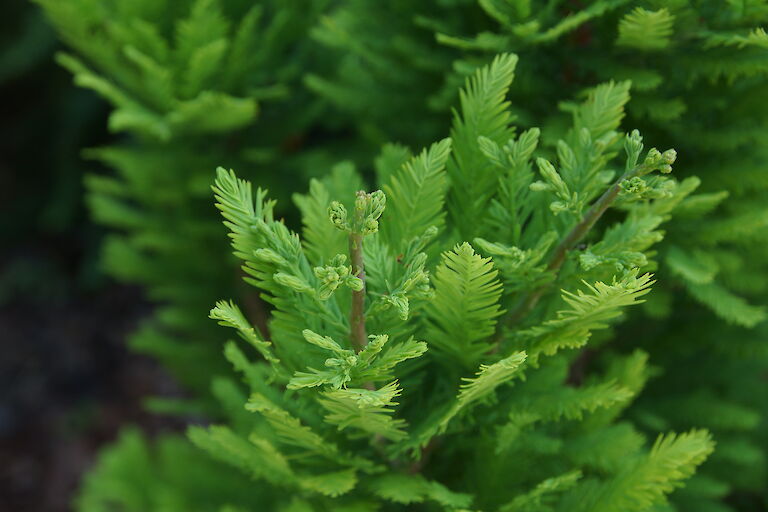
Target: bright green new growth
[698, 79]
[428, 377]
[200, 83]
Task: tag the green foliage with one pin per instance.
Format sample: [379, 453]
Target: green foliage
[445, 397]
[697, 76]
[192, 84]
[368, 327]
[466, 304]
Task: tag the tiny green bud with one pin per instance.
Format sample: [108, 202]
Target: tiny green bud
[354, 283]
[370, 226]
[669, 156]
[378, 203]
[334, 275]
[269, 256]
[338, 215]
[326, 273]
[585, 138]
[293, 282]
[368, 209]
[430, 233]
[539, 186]
[558, 207]
[653, 157]
[338, 260]
[633, 146]
[549, 173]
[325, 291]
[400, 302]
[589, 260]
[634, 185]
[325, 342]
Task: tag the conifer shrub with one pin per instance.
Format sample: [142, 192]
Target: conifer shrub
[697, 76]
[695, 69]
[534, 225]
[424, 338]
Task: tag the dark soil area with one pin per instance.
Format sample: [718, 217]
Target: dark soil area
[67, 380]
[68, 384]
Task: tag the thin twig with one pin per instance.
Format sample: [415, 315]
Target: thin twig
[526, 304]
[357, 333]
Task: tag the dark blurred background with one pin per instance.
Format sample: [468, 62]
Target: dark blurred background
[67, 381]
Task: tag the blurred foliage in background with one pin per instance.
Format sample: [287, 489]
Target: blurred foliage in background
[67, 381]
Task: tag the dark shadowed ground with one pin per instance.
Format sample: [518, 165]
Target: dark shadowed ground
[67, 381]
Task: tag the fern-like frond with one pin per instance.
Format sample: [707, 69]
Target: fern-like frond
[466, 304]
[258, 457]
[406, 489]
[727, 305]
[589, 311]
[472, 391]
[229, 315]
[542, 496]
[647, 480]
[484, 112]
[646, 30]
[416, 194]
[365, 410]
[604, 109]
[292, 432]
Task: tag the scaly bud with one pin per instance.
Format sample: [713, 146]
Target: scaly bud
[633, 186]
[354, 283]
[269, 256]
[368, 209]
[334, 275]
[338, 215]
[293, 282]
[669, 156]
[653, 158]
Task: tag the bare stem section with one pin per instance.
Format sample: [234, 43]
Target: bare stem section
[557, 259]
[579, 231]
[358, 334]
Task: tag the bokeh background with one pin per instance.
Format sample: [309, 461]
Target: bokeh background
[67, 381]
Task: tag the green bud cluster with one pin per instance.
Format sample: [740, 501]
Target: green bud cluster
[554, 183]
[294, 282]
[655, 160]
[368, 209]
[635, 186]
[649, 187]
[334, 275]
[337, 213]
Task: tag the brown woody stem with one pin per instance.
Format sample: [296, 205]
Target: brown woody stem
[358, 334]
[579, 231]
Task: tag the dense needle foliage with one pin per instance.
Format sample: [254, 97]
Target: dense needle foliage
[461, 370]
[406, 365]
[698, 78]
